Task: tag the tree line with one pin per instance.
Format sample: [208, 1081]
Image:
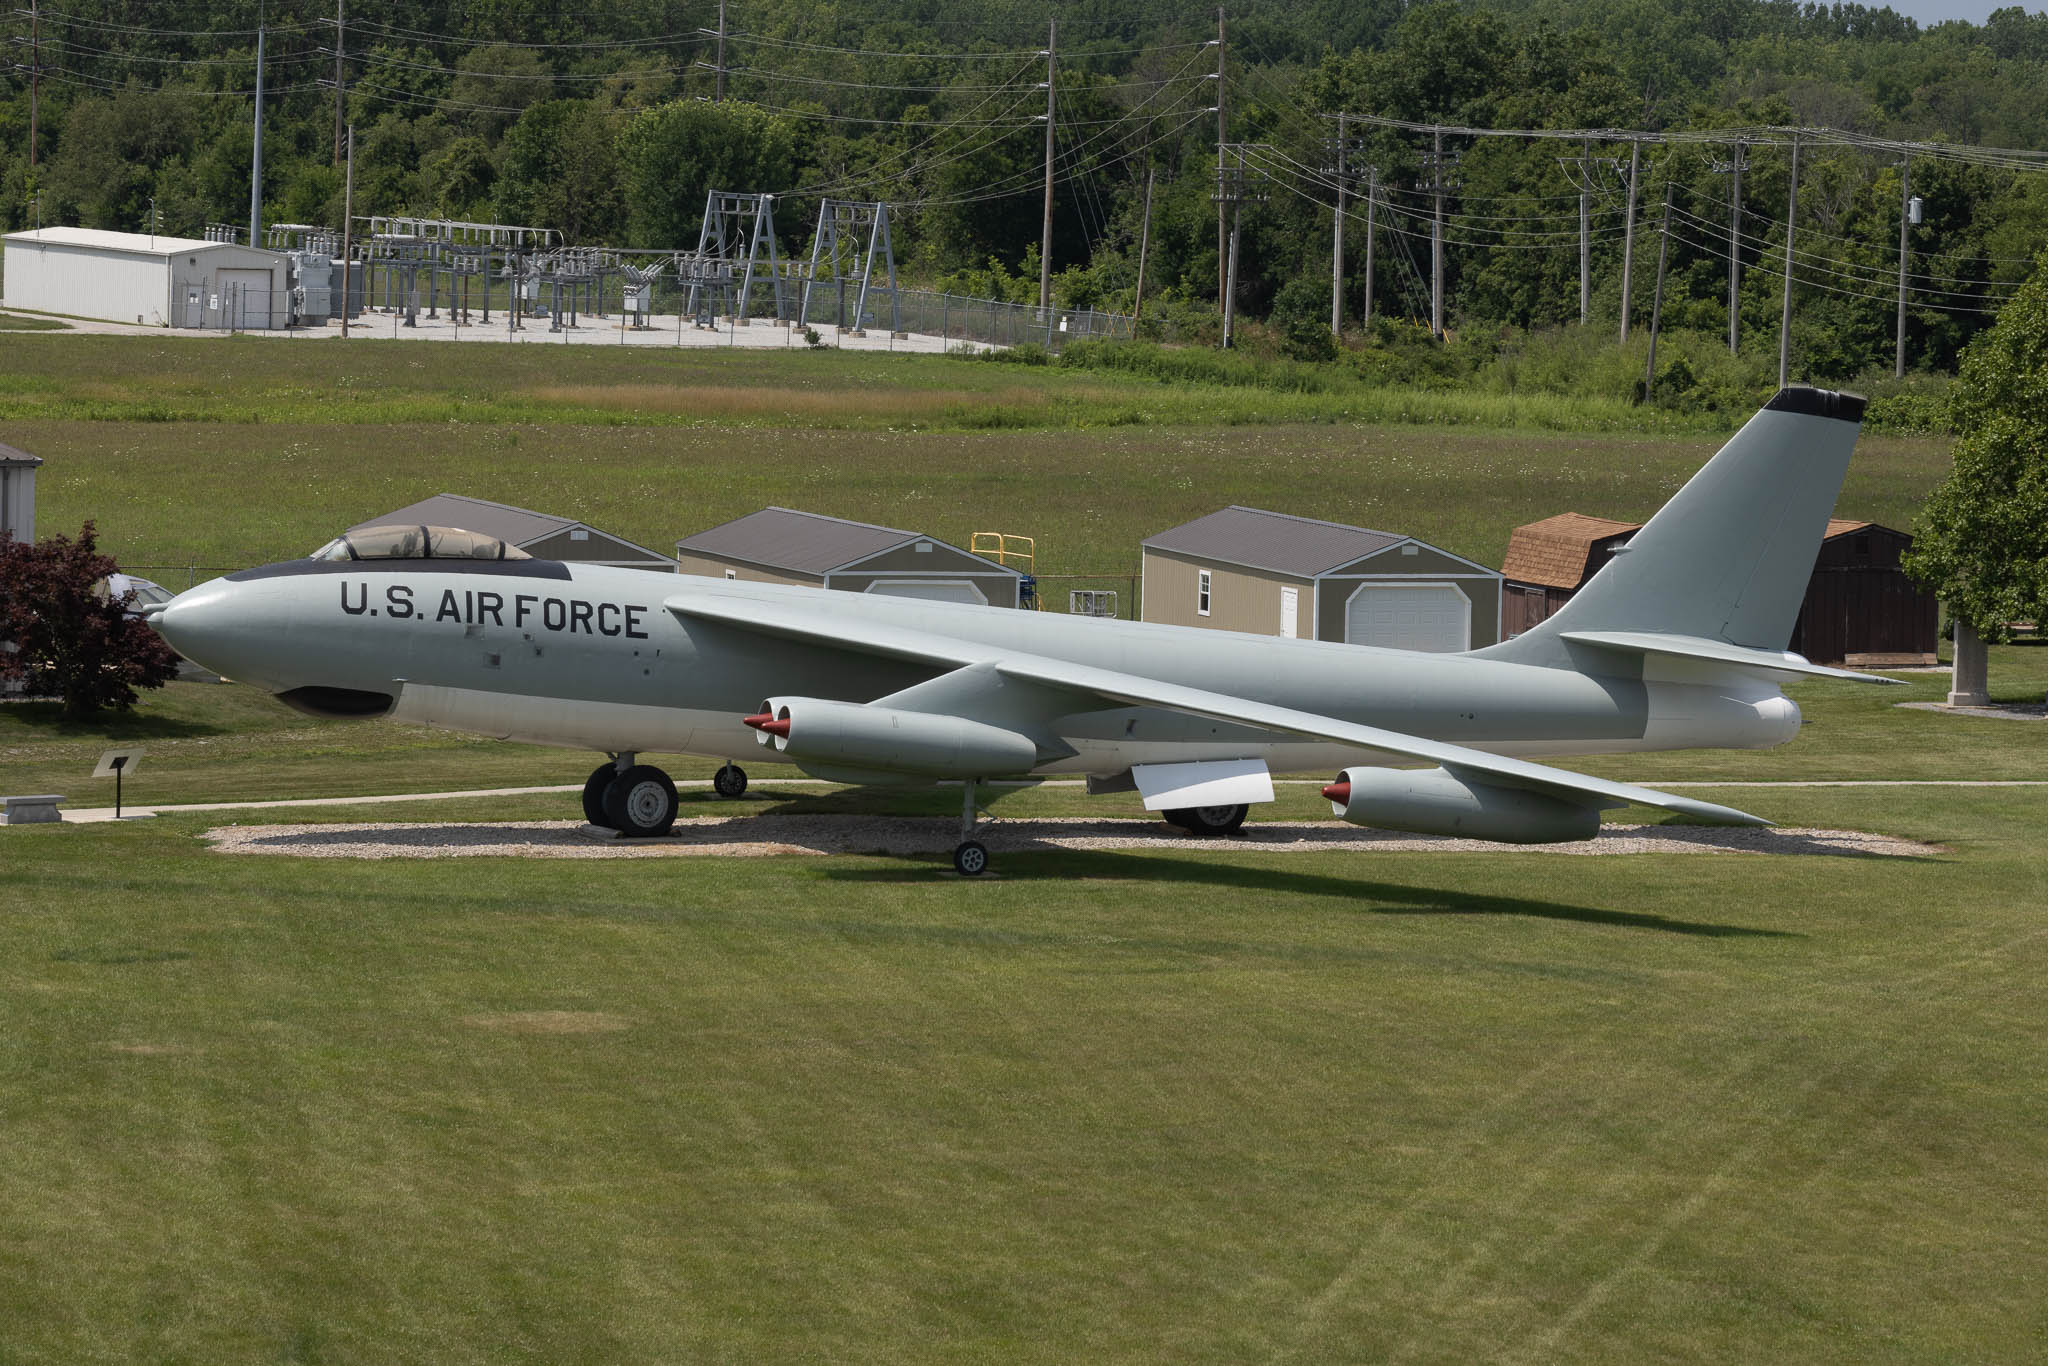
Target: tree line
[611, 120]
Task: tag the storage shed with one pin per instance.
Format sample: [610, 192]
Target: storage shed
[1549, 560]
[1860, 608]
[1271, 574]
[539, 534]
[130, 277]
[781, 545]
[18, 493]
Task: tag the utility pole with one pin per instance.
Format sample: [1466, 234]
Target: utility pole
[1657, 301]
[1341, 173]
[1905, 214]
[1052, 42]
[1236, 188]
[1372, 187]
[1785, 309]
[35, 75]
[1437, 160]
[348, 222]
[1585, 232]
[1734, 167]
[1628, 237]
[1144, 245]
[718, 93]
[340, 43]
[1222, 104]
[1337, 245]
[256, 152]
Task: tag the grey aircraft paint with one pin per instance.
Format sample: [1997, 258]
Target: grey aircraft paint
[1676, 644]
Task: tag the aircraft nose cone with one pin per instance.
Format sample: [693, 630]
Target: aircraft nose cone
[208, 626]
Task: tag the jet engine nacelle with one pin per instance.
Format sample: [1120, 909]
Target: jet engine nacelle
[852, 736]
[1435, 801]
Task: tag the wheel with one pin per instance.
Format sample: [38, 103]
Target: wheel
[640, 803]
[730, 781]
[970, 858]
[1209, 820]
[593, 795]
[1178, 817]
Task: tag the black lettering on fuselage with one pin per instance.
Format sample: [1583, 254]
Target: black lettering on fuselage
[398, 601]
[603, 608]
[362, 599]
[633, 631]
[554, 614]
[450, 609]
[522, 607]
[488, 604]
[579, 616]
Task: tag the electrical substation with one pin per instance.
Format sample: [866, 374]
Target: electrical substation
[414, 275]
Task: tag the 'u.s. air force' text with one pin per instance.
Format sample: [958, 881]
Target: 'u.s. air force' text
[478, 607]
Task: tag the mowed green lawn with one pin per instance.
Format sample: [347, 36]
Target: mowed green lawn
[1157, 1106]
[1111, 1106]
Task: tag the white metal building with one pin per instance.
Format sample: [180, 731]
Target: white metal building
[129, 277]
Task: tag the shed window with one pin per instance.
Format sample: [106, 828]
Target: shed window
[1862, 547]
[1202, 592]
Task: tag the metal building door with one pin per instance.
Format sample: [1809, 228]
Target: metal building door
[195, 307]
[1290, 612]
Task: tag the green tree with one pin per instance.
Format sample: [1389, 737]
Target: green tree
[1982, 542]
[68, 638]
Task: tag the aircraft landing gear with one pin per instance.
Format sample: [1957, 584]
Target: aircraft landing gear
[970, 856]
[637, 800]
[593, 792]
[730, 781]
[1208, 820]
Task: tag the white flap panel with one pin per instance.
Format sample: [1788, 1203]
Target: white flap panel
[1219, 782]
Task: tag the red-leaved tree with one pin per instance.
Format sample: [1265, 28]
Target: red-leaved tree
[63, 636]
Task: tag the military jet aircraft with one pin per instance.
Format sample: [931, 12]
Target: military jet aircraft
[1677, 643]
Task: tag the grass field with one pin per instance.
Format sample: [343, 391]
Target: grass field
[1220, 1106]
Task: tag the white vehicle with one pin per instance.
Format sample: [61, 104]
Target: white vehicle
[1678, 643]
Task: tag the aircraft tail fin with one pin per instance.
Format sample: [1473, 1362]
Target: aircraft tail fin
[1728, 558]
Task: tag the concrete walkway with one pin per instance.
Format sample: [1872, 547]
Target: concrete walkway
[88, 815]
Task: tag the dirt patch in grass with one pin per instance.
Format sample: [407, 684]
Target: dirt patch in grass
[550, 1022]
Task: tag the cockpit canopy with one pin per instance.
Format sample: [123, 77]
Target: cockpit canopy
[417, 543]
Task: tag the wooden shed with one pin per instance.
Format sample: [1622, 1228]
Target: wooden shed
[782, 545]
[1860, 608]
[539, 534]
[1272, 574]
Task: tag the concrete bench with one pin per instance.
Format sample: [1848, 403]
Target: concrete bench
[31, 810]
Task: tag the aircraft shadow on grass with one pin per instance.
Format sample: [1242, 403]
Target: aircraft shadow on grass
[1365, 895]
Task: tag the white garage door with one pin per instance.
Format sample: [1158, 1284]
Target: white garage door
[931, 590]
[245, 297]
[1434, 617]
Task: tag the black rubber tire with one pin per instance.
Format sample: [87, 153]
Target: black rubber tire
[1180, 818]
[593, 795]
[1211, 820]
[640, 803]
[970, 858]
[730, 781]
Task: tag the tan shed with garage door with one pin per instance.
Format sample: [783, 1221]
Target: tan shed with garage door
[1269, 573]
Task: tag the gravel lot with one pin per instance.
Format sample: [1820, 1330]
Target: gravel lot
[758, 836]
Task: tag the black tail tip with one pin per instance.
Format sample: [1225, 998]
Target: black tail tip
[1801, 398]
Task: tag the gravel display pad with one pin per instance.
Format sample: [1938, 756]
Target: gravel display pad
[759, 836]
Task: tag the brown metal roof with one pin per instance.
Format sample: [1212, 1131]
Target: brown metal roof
[1557, 551]
[800, 542]
[514, 526]
[1839, 527]
[1273, 541]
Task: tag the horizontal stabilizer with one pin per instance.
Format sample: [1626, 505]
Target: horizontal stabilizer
[1779, 666]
